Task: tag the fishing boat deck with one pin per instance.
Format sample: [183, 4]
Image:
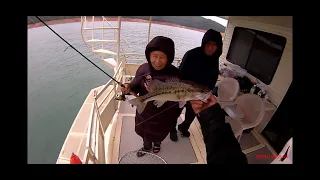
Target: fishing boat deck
[186, 150]
[189, 150]
[121, 138]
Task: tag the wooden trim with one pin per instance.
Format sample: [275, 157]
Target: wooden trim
[197, 143]
[128, 114]
[196, 149]
[198, 126]
[262, 140]
[252, 149]
[196, 163]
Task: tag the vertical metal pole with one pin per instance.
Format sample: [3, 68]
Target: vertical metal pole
[118, 59]
[92, 33]
[119, 31]
[102, 33]
[150, 19]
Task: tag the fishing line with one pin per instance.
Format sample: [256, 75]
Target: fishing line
[100, 68]
[79, 52]
[157, 114]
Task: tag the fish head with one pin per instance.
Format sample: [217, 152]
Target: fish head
[202, 95]
[196, 91]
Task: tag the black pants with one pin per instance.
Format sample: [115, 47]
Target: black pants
[189, 117]
[174, 124]
[147, 144]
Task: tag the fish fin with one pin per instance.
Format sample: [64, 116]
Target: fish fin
[173, 79]
[154, 84]
[182, 103]
[139, 103]
[158, 103]
[193, 84]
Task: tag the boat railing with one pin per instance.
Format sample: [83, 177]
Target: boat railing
[95, 137]
[117, 76]
[100, 117]
[95, 151]
[97, 42]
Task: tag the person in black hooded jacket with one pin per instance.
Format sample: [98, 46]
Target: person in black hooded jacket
[155, 123]
[201, 65]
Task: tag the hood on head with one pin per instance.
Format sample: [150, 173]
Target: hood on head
[163, 44]
[215, 36]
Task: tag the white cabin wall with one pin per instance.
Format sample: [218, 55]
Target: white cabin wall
[280, 25]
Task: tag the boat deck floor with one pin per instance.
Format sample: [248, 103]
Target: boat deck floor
[186, 150]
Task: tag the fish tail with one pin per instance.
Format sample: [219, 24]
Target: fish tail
[139, 103]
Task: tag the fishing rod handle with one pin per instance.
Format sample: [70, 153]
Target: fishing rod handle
[131, 92]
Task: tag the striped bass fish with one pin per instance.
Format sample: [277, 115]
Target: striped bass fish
[171, 90]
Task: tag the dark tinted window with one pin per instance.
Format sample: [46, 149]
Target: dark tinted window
[256, 51]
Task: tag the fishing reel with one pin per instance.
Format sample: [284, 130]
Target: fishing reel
[120, 97]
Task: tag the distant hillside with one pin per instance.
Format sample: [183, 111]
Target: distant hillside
[189, 21]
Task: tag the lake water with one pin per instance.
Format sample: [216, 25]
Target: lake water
[59, 78]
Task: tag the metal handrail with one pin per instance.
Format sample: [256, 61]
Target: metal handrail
[83, 23]
[89, 153]
[91, 47]
[94, 122]
[108, 83]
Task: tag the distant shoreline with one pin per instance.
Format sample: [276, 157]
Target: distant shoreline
[71, 20]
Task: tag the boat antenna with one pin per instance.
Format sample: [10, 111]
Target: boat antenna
[80, 52]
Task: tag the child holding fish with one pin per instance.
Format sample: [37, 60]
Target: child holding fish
[153, 122]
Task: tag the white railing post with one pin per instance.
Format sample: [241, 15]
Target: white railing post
[118, 38]
[150, 19]
[118, 59]
[115, 93]
[93, 130]
[88, 143]
[92, 33]
[102, 32]
[93, 157]
[102, 157]
[149, 30]
[98, 111]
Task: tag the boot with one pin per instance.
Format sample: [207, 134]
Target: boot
[173, 136]
[183, 130]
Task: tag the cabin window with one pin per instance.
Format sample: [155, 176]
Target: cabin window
[257, 52]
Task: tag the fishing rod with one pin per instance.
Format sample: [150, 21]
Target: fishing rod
[119, 97]
[122, 85]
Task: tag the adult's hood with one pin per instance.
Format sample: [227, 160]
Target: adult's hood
[163, 44]
[215, 36]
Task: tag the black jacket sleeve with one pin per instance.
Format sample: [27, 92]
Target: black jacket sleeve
[221, 145]
[183, 68]
[135, 84]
